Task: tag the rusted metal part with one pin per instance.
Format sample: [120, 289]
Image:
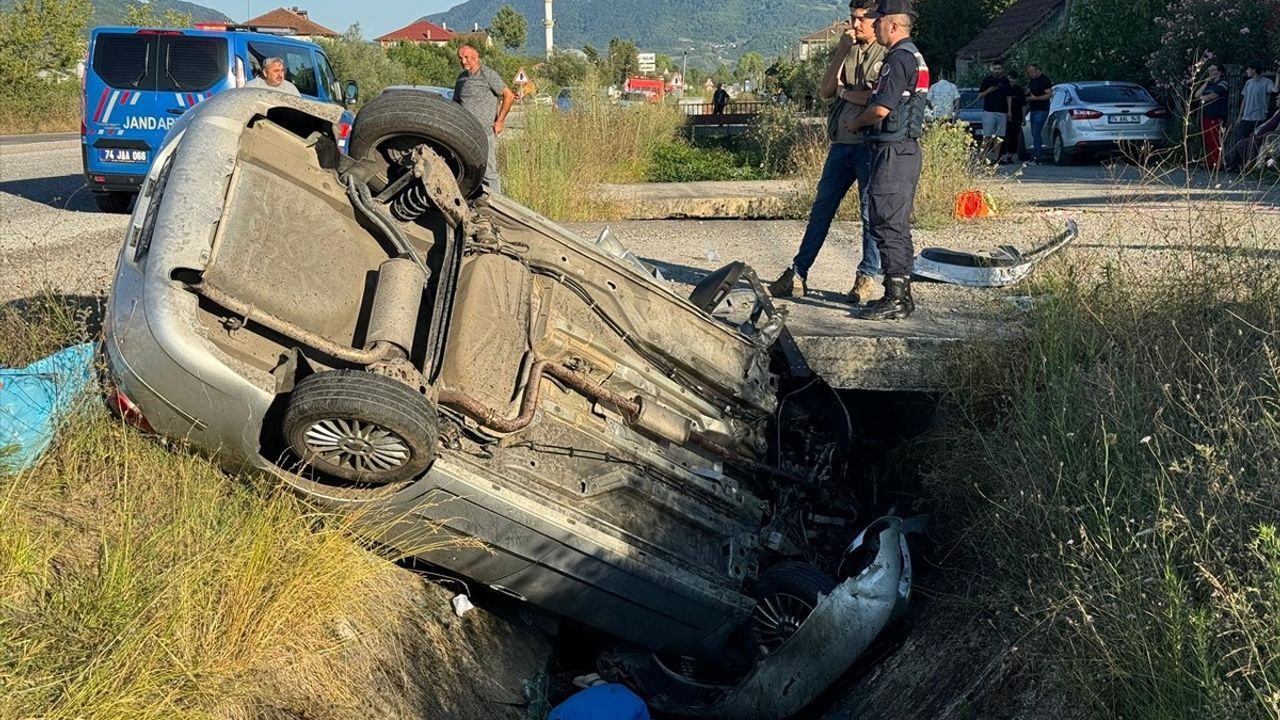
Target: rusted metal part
[378, 353]
[494, 420]
[631, 409]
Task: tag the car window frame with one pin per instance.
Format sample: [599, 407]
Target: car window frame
[324, 68]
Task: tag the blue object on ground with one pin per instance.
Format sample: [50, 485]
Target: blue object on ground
[35, 399]
[602, 702]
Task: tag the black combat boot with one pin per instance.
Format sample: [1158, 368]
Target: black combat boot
[896, 304]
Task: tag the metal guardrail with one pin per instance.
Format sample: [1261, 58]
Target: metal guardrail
[744, 107]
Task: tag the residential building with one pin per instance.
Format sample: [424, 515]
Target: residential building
[1019, 23]
[418, 32]
[293, 19]
[822, 38]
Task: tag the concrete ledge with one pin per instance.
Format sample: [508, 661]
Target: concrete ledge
[701, 200]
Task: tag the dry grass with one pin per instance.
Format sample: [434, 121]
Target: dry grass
[1121, 464]
[137, 580]
[553, 165]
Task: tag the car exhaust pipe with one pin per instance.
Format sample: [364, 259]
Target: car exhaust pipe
[396, 301]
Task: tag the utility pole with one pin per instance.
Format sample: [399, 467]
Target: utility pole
[549, 23]
[684, 72]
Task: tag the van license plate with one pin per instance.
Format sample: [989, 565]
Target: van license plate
[122, 155]
[1123, 119]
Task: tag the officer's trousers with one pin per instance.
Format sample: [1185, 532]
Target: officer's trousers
[895, 173]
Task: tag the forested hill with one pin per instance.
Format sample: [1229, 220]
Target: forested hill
[111, 12]
[709, 29]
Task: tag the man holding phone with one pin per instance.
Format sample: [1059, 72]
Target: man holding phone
[849, 79]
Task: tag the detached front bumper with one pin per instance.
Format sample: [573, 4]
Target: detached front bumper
[836, 633]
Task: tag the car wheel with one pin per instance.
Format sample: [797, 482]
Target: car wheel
[361, 427]
[397, 121]
[785, 595]
[1061, 155]
[113, 202]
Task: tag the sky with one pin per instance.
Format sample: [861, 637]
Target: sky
[376, 17]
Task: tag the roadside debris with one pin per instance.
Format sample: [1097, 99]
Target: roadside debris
[35, 399]
[1001, 267]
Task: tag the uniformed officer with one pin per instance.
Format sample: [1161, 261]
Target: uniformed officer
[894, 123]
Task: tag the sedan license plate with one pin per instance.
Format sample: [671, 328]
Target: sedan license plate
[122, 155]
[1123, 119]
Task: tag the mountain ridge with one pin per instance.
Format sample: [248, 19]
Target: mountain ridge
[712, 31]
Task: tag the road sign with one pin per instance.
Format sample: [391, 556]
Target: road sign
[648, 67]
[646, 58]
[521, 77]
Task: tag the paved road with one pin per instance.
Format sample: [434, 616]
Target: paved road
[47, 217]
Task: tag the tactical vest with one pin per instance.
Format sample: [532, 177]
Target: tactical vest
[906, 122]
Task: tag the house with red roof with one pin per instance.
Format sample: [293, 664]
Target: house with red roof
[295, 19]
[418, 32]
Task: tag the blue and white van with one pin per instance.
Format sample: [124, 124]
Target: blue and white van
[138, 81]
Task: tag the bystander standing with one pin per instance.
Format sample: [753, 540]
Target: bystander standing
[483, 93]
[1013, 133]
[848, 80]
[1253, 100]
[994, 92]
[1039, 92]
[944, 99]
[1213, 114]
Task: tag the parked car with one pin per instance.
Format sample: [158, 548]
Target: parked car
[380, 335]
[970, 111]
[1096, 118]
[444, 92]
[139, 81]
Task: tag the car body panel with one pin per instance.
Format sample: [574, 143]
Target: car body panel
[649, 523]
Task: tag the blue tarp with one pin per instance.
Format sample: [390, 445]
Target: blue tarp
[602, 702]
[35, 399]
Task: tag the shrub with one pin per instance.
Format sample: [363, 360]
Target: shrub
[40, 107]
[680, 162]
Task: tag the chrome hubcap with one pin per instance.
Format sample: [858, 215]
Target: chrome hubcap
[359, 446]
[778, 617]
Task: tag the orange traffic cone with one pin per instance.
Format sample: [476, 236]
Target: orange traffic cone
[972, 204]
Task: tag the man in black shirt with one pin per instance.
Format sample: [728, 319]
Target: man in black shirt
[1039, 92]
[1012, 147]
[994, 92]
[1213, 114]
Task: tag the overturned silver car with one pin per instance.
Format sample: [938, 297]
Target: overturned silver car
[378, 333]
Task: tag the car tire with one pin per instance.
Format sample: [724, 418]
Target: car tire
[785, 593]
[113, 202]
[361, 427]
[402, 119]
[1061, 155]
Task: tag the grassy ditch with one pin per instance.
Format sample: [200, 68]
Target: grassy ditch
[138, 581]
[1121, 462]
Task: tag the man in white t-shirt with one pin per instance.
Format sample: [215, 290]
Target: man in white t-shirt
[1254, 98]
[272, 78]
[944, 96]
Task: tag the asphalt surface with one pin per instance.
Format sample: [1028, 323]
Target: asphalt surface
[52, 235]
